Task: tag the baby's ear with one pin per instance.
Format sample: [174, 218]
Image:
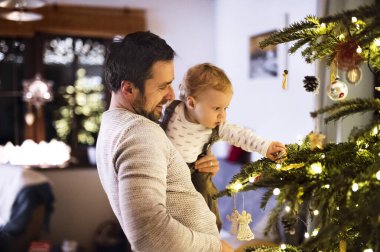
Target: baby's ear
[190, 102]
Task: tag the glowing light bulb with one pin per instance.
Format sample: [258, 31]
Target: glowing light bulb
[316, 168]
[359, 49]
[315, 232]
[278, 166]
[355, 187]
[238, 186]
[276, 191]
[337, 208]
[354, 19]
[29, 118]
[326, 186]
[251, 179]
[283, 246]
[378, 175]
[323, 25]
[307, 235]
[315, 212]
[323, 156]
[287, 209]
[375, 131]
[377, 42]
[368, 250]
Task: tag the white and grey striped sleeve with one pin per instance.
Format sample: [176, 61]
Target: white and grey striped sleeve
[244, 138]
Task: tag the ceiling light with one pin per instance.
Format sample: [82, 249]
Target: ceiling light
[19, 10]
[22, 4]
[22, 16]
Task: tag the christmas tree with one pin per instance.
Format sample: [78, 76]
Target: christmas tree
[338, 183]
[78, 121]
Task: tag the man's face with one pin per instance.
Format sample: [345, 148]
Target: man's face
[158, 91]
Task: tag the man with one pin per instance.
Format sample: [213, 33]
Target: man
[147, 182]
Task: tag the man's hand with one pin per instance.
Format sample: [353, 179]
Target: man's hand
[276, 151]
[208, 164]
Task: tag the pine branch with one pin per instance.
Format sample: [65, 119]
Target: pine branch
[309, 31]
[363, 12]
[298, 45]
[365, 132]
[348, 107]
[264, 200]
[289, 33]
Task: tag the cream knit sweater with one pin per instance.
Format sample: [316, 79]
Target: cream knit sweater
[149, 187]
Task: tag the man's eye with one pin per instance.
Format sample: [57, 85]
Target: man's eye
[217, 108]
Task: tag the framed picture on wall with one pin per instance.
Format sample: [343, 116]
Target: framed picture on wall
[262, 62]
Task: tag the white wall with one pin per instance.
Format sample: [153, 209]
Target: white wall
[187, 25]
[80, 206]
[261, 104]
[218, 32]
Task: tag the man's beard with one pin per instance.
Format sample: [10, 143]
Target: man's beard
[138, 106]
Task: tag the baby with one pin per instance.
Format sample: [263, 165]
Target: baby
[195, 122]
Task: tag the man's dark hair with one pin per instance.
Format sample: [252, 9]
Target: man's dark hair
[132, 59]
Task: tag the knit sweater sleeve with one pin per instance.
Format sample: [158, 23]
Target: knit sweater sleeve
[244, 138]
[142, 160]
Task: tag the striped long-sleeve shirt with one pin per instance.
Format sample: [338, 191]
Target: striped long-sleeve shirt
[189, 138]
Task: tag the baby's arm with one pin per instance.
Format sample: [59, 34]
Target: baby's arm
[249, 141]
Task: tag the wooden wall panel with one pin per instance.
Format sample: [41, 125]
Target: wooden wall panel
[75, 20]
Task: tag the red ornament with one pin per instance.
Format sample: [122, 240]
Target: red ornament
[346, 55]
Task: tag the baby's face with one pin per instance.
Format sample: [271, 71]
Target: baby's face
[210, 107]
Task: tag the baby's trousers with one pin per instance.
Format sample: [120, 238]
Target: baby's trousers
[202, 181]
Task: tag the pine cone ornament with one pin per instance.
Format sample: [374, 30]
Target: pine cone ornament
[311, 83]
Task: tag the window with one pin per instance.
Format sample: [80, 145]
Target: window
[57, 59]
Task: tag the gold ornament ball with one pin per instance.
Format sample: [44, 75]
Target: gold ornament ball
[354, 75]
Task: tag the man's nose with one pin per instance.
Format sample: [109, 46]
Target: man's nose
[170, 95]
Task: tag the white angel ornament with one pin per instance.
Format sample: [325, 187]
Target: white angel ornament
[245, 232]
[234, 221]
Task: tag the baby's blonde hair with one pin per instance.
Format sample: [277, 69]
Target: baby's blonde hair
[201, 77]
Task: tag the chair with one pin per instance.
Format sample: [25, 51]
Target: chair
[29, 213]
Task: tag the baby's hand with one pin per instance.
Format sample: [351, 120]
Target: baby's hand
[276, 151]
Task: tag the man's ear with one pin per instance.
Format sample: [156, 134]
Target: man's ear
[190, 102]
[127, 88]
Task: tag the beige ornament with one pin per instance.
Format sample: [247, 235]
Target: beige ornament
[316, 140]
[354, 75]
[234, 219]
[342, 246]
[285, 80]
[244, 231]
